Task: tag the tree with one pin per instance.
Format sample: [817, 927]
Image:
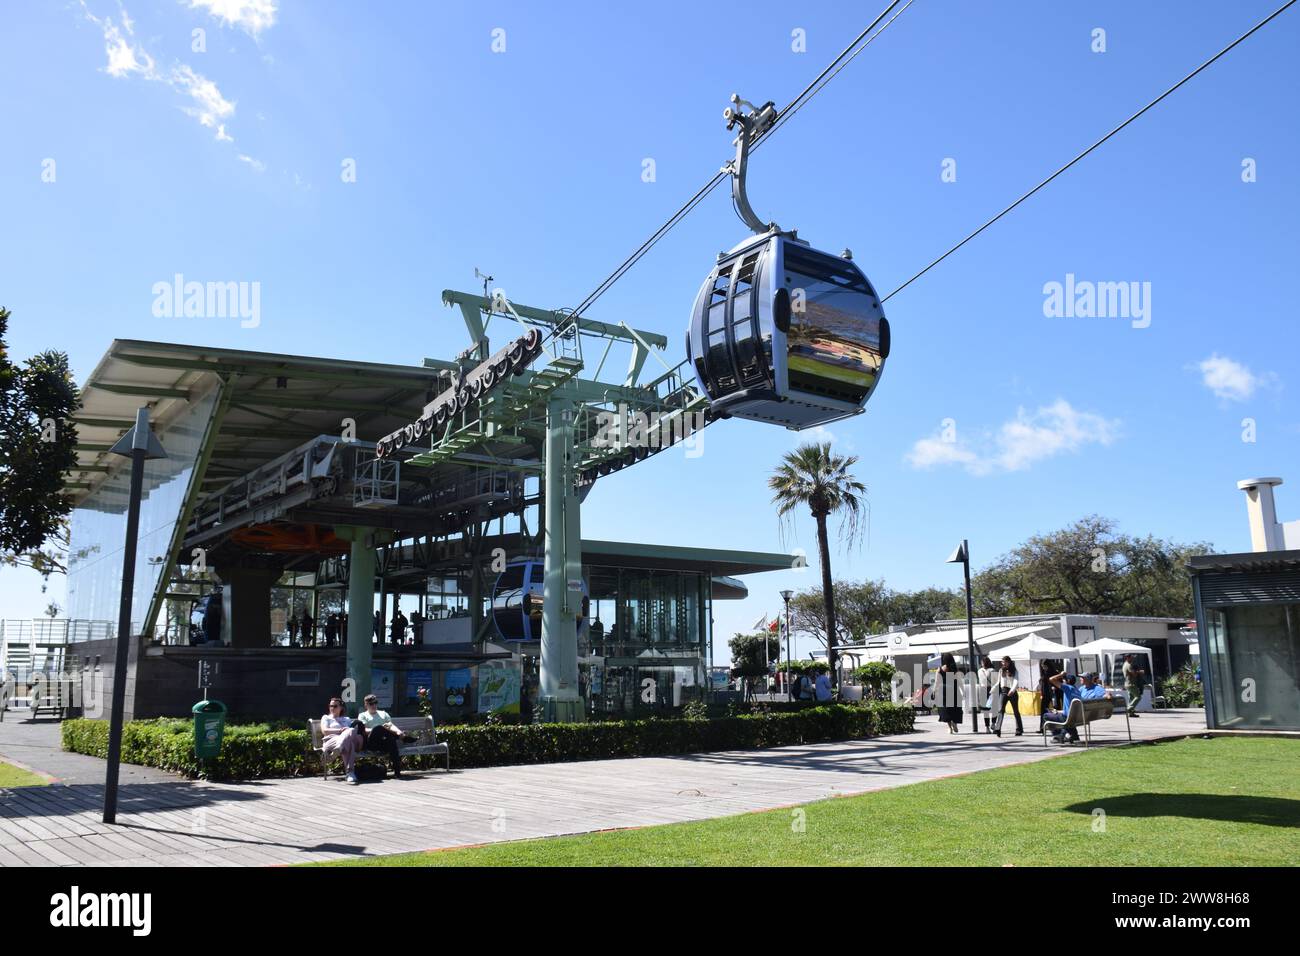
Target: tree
[37, 449]
[866, 608]
[750, 652]
[1088, 568]
[813, 477]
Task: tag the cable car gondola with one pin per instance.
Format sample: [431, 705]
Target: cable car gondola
[782, 332]
[517, 602]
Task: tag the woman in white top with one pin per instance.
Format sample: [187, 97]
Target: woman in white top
[1007, 691]
[340, 736]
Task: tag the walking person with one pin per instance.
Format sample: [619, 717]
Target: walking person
[308, 628]
[1134, 681]
[1046, 692]
[946, 694]
[1007, 690]
[379, 627]
[987, 677]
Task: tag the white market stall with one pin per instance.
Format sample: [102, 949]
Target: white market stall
[1107, 649]
[1026, 654]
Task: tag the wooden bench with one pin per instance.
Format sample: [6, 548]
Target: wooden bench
[419, 727]
[1083, 713]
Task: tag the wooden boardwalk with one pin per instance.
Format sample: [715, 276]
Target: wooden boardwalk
[177, 823]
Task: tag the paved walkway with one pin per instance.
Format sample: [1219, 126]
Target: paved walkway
[174, 823]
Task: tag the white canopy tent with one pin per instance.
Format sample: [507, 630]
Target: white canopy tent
[1038, 648]
[1109, 647]
[1035, 648]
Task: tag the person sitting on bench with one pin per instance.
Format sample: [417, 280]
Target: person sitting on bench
[339, 735]
[1091, 690]
[1065, 683]
[381, 735]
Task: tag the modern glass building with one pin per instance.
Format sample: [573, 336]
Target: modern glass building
[1248, 619]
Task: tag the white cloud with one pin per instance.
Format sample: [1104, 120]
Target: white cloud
[932, 452]
[209, 105]
[1017, 444]
[127, 57]
[1231, 380]
[257, 164]
[252, 16]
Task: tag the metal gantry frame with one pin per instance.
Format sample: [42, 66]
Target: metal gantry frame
[586, 427]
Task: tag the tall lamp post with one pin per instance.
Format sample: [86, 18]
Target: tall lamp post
[789, 642]
[962, 556]
[138, 444]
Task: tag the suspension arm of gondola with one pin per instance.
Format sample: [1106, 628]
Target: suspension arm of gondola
[753, 124]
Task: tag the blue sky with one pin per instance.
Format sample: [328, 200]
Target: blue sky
[225, 164]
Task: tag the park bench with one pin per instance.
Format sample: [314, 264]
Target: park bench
[1083, 713]
[419, 727]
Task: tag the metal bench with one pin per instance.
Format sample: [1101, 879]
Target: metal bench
[419, 727]
[1083, 713]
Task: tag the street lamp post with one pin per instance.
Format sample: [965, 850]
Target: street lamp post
[789, 642]
[138, 444]
[962, 556]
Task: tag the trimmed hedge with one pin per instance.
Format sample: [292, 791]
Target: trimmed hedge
[253, 751]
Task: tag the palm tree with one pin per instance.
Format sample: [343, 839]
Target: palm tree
[811, 475]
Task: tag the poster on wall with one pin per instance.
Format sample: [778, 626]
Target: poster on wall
[414, 681]
[498, 687]
[458, 685]
[381, 685]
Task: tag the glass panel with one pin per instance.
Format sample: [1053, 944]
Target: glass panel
[98, 525]
[1253, 653]
[834, 338]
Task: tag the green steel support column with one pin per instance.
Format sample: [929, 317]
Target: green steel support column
[361, 613]
[562, 587]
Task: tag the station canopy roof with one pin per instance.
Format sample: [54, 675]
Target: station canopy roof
[277, 402]
[660, 557]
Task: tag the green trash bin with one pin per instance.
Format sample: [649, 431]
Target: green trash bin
[209, 726]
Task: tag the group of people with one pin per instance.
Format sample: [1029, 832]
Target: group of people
[807, 688]
[998, 685]
[302, 628]
[372, 729]
[397, 627]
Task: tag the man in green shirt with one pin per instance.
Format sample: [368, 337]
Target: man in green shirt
[381, 735]
[1134, 681]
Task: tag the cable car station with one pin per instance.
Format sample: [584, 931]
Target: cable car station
[271, 502]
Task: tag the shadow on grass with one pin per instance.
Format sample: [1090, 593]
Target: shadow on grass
[1266, 811]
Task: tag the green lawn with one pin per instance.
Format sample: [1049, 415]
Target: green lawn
[1215, 802]
[11, 776]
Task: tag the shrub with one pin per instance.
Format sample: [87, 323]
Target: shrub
[1183, 689]
[875, 676]
[258, 750]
